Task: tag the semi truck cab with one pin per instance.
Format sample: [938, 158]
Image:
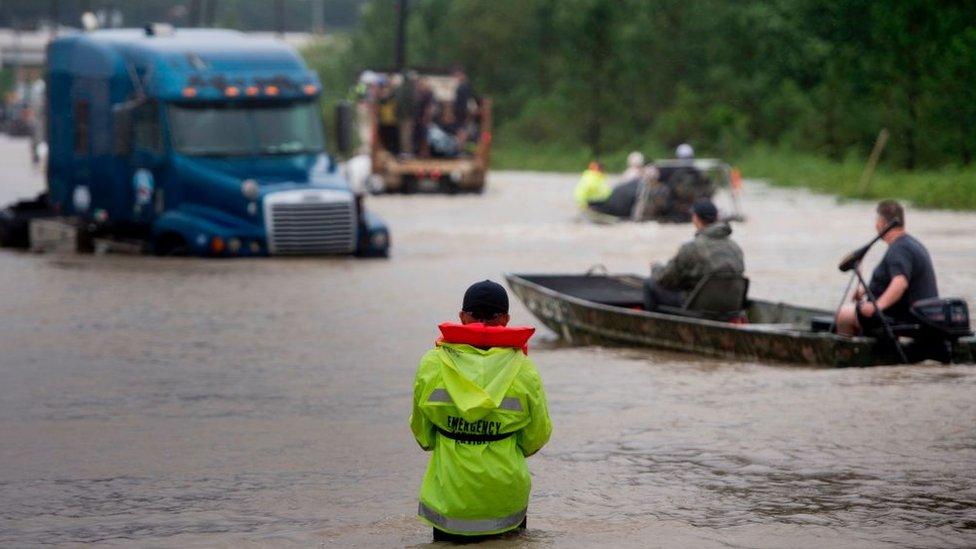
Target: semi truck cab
[203, 142]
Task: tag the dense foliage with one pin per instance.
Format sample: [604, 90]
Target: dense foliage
[821, 76]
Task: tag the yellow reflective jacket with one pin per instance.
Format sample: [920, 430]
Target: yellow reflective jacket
[592, 187]
[481, 411]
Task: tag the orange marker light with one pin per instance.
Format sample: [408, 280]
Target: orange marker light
[217, 245]
[189, 92]
[310, 89]
[251, 91]
[232, 91]
[271, 90]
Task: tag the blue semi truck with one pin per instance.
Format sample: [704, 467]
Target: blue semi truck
[196, 141]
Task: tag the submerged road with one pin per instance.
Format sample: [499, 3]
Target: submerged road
[188, 402]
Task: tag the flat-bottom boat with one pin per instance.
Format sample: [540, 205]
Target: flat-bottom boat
[608, 309]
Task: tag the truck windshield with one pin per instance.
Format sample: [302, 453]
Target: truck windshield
[229, 129]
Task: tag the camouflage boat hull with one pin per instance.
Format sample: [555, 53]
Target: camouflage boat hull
[776, 332]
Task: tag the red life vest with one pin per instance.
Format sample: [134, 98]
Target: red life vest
[479, 335]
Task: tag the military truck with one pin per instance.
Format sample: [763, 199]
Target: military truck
[394, 171]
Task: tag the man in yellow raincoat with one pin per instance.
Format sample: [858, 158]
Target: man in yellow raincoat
[593, 187]
[478, 404]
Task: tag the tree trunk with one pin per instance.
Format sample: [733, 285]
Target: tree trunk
[596, 26]
[210, 17]
[195, 13]
[401, 36]
[911, 132]
[280, 17]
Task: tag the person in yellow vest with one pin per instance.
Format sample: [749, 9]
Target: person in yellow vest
[479, 406]
[386, 115]
[593, 187]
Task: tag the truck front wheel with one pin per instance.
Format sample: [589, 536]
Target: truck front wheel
[170, 244]
[13, 231]
[15, 221]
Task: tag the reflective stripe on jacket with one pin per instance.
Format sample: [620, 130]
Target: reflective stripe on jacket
[481, 412]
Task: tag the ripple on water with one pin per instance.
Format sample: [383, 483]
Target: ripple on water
[132, 508]
[711, 489]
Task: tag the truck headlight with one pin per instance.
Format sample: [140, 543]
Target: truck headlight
[250, 189]
[378, 240]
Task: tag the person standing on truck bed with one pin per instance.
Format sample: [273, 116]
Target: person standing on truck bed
[462, 99]
[406, 106]
[423, 116]
[387, 117]
[479, 406]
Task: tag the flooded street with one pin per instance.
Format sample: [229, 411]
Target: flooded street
[188, 402]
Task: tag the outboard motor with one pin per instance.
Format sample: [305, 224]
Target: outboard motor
[942, 321]
[948, 316]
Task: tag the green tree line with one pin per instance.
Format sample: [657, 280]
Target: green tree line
[816, 76]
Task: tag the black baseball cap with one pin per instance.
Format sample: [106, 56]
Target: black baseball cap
[484, 300]
[705, 210]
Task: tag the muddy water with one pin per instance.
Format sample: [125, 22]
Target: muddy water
[192, 403]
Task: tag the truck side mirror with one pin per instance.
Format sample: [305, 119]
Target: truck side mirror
[344, 127]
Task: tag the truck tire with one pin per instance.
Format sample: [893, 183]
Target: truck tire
[450, 186]
[409, 184]
[169, 245]
[13, 230]
[15, 221]
[479, 184]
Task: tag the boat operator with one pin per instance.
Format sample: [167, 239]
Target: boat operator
[593, 187]
[711, 251]
[594, 193]
[904, 275]
[479, 406]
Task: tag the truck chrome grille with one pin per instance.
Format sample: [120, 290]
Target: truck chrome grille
[310, 222]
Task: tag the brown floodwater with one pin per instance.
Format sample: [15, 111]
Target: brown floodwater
[188, 402]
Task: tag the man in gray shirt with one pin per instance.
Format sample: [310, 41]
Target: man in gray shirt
[904, 275]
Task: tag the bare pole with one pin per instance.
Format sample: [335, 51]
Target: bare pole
[318, 16]
[195, 13]
[18, 65]
[55, 16]
[280, 17]
[879, 145]
[210, 18]
[401, 38]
